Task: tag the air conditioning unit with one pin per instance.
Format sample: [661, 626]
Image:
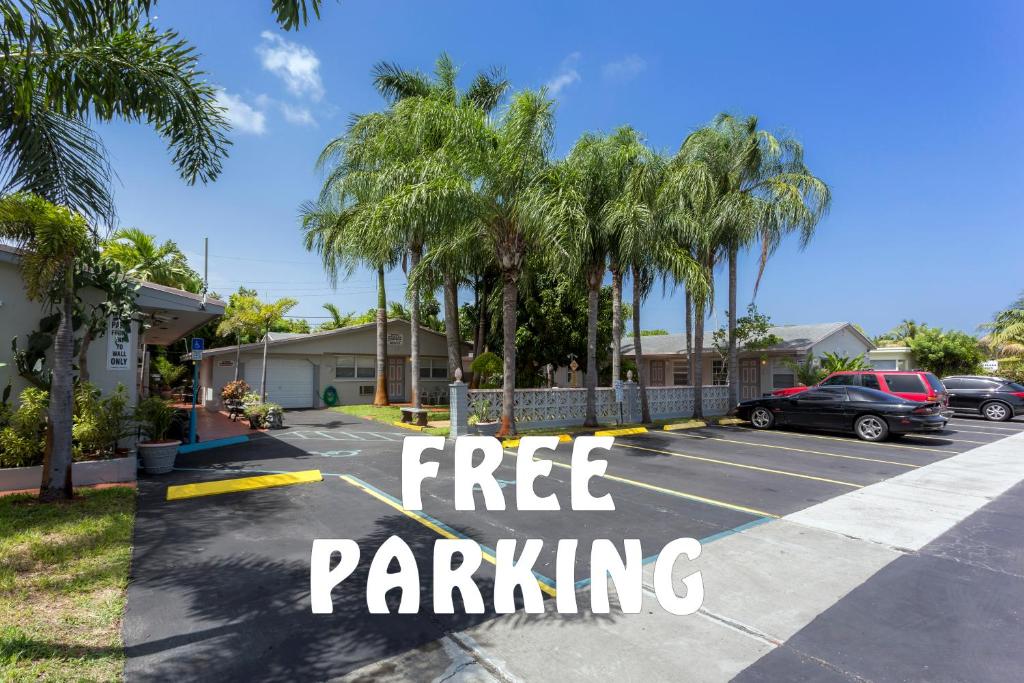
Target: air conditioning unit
[366, 390]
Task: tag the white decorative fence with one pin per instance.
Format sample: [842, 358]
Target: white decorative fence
[564, 407]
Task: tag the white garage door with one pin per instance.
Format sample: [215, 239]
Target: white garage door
[289, 381]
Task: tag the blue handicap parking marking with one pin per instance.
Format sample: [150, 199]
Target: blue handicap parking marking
[337, 454]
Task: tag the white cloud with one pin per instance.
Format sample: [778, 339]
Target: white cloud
[242, 116]
[566, 76]
[626, 68]
[300, 116]
[295, 64]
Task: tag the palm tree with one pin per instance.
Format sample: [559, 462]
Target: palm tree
[764, 191]
[338, 319]
[71, 62]
[653, 226]
[331, 227]
[590, 163]
[52, 238]
[1006, 331]
[262, 318]
[238, 320]
[143, 259]
[396, 84]
[808, 372]
[834, 362]
[627, 151]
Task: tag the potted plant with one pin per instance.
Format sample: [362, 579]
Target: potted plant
[257, 414]
[154, 416]
[170, 374]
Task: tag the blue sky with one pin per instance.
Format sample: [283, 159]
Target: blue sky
[910, 111]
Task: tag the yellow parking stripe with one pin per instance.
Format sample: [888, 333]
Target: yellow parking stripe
[429, 523]
[266, 481]
[730, 463]
[800, 450]
[693, 424]
[621, 432]
[851, 441]
[671, 492]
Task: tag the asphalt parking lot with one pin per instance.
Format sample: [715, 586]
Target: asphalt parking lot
[220, 584]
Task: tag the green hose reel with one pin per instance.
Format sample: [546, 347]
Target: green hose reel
[330, 396]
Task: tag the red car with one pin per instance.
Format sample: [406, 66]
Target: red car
[911, 385]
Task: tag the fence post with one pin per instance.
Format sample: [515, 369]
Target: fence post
[631, 400]
[458, 407]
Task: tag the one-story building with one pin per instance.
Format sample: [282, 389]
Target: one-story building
[891, 358]
[166, 315]
[300, 367]
[760, 371]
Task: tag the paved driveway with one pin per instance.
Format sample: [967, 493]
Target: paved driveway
[220, 584]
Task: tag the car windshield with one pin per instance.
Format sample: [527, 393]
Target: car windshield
[934, 381]
[1013, 386]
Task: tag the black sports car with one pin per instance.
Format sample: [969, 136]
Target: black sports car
[870, 414]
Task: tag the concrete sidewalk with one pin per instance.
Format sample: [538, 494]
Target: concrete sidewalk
[765, 585]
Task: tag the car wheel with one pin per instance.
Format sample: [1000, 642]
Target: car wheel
[762, 418]
[996, 411]
[871, 428]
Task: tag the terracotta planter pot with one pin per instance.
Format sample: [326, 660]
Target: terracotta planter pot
[158, 457]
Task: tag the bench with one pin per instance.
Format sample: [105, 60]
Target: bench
[235, 409]
[416, 416]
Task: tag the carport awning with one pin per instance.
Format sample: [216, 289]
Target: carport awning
[174, 313]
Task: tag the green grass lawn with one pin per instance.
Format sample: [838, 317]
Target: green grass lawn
[63, 575]
[390, 414]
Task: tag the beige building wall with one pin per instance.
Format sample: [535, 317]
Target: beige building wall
[19, 316]
[322, 353]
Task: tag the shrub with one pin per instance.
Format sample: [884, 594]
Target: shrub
[154, 415]
[23, 439]
[481, 411]
[99, 423]
[488, 368]
[946, 352]
[87, 421]
[235, 391]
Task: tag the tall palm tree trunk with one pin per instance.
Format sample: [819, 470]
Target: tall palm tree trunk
[56, 482]
[698, 359]
[734, 363]
[689, 337]
[641, 369]
[451, 324]
[509, 301]
[616, 323]
[478, 339]
[380, 396]
[594, 278]
[263, 370]
[415, 253]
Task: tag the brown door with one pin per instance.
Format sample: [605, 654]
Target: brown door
[657, 373]
[396, 379]
[750, 379]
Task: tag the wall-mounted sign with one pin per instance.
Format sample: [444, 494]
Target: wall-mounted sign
[395, 339]
[226, 363]
[118, 344]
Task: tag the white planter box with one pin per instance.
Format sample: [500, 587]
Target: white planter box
[82, 474]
